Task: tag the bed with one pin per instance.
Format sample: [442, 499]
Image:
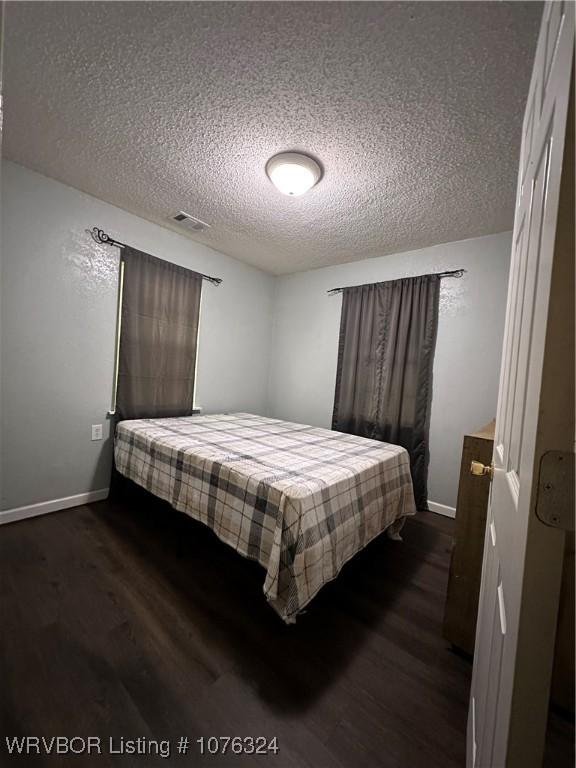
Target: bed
[300, 500]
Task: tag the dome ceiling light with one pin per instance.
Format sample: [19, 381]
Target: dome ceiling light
[293, 173]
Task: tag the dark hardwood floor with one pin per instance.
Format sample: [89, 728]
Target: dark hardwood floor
[131, 620]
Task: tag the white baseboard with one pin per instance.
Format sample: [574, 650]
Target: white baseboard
[441, 509]
[44, 507]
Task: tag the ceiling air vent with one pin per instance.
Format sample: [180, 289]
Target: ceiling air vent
[190, 222]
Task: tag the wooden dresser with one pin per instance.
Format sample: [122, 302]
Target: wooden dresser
[466, 571]
[466, 564]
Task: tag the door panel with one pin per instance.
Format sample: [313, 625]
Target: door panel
[554, 18]
[522, 556]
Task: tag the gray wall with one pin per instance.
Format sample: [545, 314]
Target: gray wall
[267, 345]
[57, 333]
[468, 350]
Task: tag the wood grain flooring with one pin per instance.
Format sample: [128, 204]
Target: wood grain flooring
[131, 620]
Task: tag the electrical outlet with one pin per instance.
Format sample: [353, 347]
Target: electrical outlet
[96, 431]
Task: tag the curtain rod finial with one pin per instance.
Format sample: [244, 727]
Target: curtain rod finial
[99, 235]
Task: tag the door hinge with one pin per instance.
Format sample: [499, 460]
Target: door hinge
[555, 499]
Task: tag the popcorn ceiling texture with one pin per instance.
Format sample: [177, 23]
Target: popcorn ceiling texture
[413, 109]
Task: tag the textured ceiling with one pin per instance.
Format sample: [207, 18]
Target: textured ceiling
[413, 109]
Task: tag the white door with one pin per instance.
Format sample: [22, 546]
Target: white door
[534, 436]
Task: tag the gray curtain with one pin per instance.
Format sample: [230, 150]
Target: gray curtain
[158, 339]
[384, 374]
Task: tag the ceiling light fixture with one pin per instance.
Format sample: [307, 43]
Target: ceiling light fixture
[293, 173]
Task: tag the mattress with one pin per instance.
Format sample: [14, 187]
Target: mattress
[300, 500]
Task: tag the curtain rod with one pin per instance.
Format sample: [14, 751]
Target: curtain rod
[101, 237]
[449, 273]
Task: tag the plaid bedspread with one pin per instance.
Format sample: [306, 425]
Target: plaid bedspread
[298, 499]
